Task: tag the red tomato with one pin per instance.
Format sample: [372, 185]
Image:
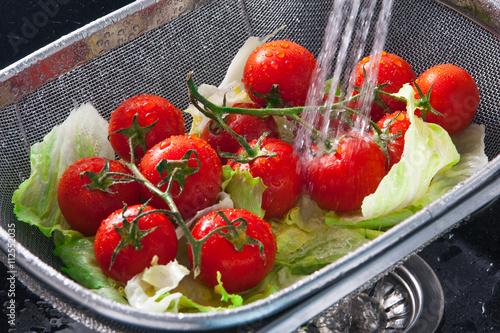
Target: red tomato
[148, 108]
[281, 62]
[240, 270]
[398, 123]
[340, 180]
[281, 174]
[248, 126]
[130, 261]
[392, 69]
[201, 188]
[454, 94]
[83, 208]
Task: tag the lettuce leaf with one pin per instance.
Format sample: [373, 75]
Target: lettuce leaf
[305, 243]
[233, 92]
[82, 134]
[77, 254]
[245, 190]
[381, 223]
[470, 145]
[156, 290]
[428, 150]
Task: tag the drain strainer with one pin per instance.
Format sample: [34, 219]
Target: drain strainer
[409, 299]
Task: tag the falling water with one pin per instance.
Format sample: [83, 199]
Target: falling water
[344, 43]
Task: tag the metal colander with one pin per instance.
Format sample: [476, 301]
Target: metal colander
[149, 47]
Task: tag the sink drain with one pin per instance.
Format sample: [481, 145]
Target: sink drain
[409, 299]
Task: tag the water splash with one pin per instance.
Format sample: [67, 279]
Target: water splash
[344, 44]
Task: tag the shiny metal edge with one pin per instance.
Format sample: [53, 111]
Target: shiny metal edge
[484, 12]
[88, 42]
[315, 292]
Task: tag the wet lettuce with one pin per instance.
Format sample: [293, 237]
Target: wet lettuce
[82, 134]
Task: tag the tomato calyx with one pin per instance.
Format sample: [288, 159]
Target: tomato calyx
[130, 233]
[214, 127]
[104, 179]
[423, 102]
[383, 137]
[136, 134]
[249, 156]
[272, 98]
[178, 170]
[378, 91]
[236, 234]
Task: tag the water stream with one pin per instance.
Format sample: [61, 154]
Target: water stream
[344, 43]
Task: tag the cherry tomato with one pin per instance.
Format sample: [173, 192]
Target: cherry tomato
[84, 208]
[130, 261]
[200, 189]
[392, 69]
[250, 127]
[281, 174]
[454, 94]
[149, 109]
[340, 180]
[398, 123]
[240, 270]
[280, 62]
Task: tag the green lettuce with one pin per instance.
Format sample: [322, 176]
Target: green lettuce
[159, 289]
[245, 190]
[428, 151]
[470, 145]
[82, 134]
[77, 254]
[305, 243]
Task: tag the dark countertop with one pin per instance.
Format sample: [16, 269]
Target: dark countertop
[466, 259]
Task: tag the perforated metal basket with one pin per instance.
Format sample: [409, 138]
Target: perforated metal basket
[149, 47]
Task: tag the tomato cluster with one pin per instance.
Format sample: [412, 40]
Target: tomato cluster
[131, 206]
[167, 176]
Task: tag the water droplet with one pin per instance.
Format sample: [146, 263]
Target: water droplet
[284, 44]
[276, 181]
[164, 144]
[149, 105]
[268, 53]
[280, 54]
[491, 270]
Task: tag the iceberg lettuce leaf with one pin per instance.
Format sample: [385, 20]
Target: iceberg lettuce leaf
[470, 145]
[245, 190]
[305, 243]
[428, 150]
[232, 93]
[82, 134]
[77, 254]
[157, 289]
